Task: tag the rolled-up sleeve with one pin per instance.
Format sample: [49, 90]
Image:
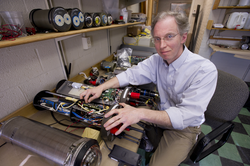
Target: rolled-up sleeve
[193, 102]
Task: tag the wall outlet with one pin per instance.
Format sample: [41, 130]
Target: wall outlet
[86, 42]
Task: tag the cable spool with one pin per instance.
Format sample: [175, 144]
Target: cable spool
[88, 21]
[77, 18]
[109, 19]
[56, 19]
[104, 19]
[65, 149]
[96, 19]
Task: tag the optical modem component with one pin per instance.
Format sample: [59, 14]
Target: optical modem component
[56, 19]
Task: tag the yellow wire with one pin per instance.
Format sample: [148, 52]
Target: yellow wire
[83, 108]
[61, 104]
[68, 106]
[133, 44]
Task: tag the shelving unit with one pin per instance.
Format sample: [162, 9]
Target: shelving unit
[210, 22]
[52, 35]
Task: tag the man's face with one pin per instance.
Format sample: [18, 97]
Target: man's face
[168, 41]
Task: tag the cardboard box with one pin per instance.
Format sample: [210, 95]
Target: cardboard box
[92, 133]
[134, 30]
[138, 41]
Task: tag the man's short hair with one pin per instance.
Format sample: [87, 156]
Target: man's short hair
[180, 18]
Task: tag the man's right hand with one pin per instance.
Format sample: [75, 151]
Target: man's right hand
[91, 94]
[94, 93]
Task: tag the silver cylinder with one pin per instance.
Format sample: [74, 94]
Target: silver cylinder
[63, 148]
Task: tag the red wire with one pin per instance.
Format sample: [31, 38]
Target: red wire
[77, 129]
[9, 33]
[73, 123]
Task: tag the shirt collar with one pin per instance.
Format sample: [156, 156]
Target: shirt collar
[178, 62]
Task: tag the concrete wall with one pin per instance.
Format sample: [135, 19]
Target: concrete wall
[30, 68]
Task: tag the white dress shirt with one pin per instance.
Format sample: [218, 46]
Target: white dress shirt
[185, 86]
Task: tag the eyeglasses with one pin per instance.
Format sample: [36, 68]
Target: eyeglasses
[168, 37]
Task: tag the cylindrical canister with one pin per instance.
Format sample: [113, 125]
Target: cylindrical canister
[96, 19]
[56, 19]
[77, 18]
[88, 21]
[63, 148]
[104, 19]
[247, 24]
[109, 19]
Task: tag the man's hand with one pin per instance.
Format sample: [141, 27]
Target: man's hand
[126, 116]
[91, 94]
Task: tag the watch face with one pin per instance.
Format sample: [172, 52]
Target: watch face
[244, 46]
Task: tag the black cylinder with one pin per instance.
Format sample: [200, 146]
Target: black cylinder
[104, 19]
[77, 18]
[56, 19]
[96, 19]
[109, 19]
[88, 21]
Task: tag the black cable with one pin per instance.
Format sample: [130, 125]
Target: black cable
[106, 145]
[3, 144]
[57, 122]
[52, 114]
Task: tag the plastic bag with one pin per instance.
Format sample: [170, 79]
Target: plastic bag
[123, 57]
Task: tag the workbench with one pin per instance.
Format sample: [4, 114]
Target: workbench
[16, 156]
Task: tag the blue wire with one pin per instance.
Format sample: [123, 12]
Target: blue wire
[78, 116]
[61, 111]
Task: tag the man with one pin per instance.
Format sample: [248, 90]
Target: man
[185, 81]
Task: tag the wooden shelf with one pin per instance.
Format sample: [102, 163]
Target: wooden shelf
[210, 26]
[52, 35]
[217, 38]
[233, 7]
[217, 2]
[226, 29]
[244, 54]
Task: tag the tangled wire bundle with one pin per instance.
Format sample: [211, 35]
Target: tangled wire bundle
[8, 32]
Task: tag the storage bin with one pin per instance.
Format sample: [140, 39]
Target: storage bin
[235, 20]
[244, 3]
[247, 24]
